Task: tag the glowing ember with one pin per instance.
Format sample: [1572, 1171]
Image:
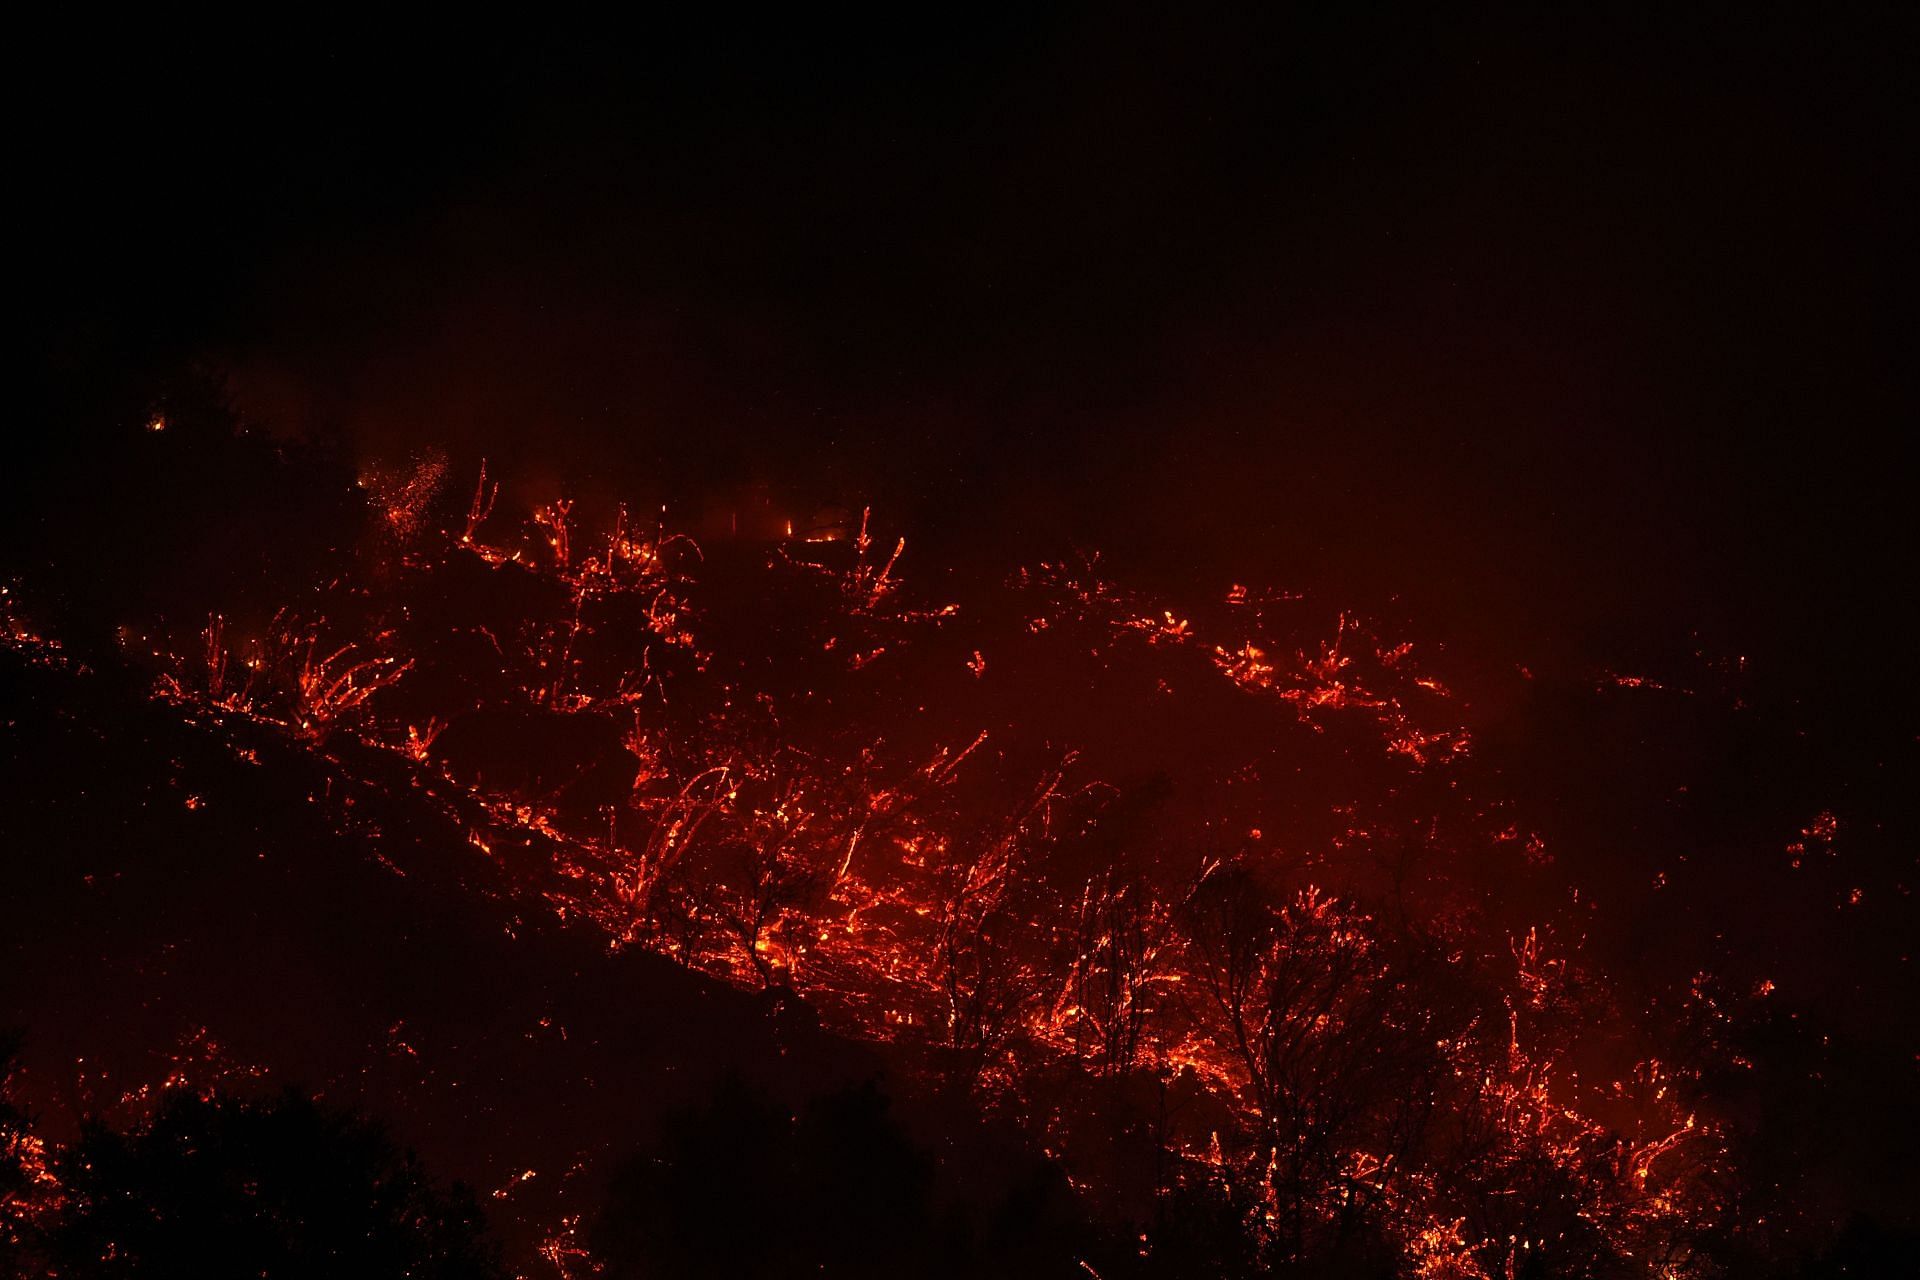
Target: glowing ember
[970, 885]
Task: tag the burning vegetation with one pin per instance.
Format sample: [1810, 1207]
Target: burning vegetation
[1213, 900]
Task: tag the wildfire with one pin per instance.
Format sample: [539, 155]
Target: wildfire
[755, 803]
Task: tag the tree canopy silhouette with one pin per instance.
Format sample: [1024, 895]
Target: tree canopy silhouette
[283, 1189]
[745, 1187]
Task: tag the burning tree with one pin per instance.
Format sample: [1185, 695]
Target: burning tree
[1338, 1046]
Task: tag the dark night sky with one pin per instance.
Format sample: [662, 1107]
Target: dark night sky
[1553, 329]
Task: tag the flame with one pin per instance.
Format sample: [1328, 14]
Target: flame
[938, 891]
